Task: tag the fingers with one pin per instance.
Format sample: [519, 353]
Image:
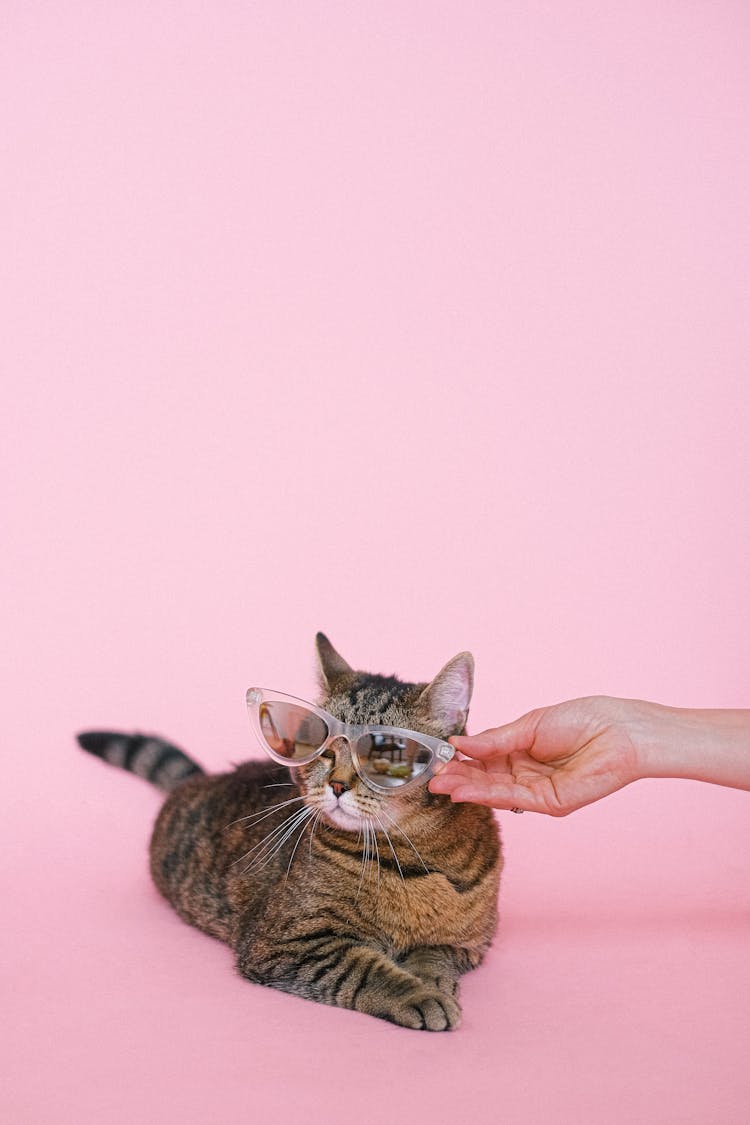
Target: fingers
[518, 735]
[453, 773]
[496, 794]
[462, 782]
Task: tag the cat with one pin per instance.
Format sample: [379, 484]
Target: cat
[382, 917]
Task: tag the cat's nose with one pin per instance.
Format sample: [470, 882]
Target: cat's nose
[339, 787]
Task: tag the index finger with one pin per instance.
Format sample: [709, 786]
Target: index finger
[518, 735]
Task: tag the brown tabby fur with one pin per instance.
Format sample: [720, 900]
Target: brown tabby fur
[390, 939]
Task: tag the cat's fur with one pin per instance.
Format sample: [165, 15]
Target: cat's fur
[344, 916]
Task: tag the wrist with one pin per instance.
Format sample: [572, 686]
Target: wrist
[701, 744]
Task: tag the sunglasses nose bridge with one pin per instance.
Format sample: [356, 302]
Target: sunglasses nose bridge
[340, 741]
[352, 733]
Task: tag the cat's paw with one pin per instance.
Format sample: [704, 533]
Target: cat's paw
[434, 972]
[424, 1009]
[444, 983]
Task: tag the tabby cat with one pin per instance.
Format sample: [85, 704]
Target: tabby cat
[382, 917]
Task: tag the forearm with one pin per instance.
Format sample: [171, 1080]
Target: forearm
[705, 745]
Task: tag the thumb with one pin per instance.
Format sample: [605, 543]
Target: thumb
[498, 741]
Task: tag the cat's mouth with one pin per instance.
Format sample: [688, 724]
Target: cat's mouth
[343, 811]
[342, 818]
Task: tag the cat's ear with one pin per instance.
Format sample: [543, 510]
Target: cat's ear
[447, 698]
[332, 665]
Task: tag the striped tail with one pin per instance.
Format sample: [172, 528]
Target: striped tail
[159, 762]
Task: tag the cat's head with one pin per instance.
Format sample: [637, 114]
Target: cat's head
[438, 708]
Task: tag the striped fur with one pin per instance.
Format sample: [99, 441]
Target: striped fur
[151, 758]
[384, 920]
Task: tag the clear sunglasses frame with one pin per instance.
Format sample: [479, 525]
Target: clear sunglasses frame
[440, 750]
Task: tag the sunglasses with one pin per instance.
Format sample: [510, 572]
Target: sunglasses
[295, 733]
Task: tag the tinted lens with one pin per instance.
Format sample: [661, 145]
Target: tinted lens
[291, 731]
[391, 760]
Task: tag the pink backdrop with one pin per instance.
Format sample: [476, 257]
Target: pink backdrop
[424, 324]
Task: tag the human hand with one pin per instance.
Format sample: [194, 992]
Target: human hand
[552, 760]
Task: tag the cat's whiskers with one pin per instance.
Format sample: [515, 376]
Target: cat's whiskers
[370, 849]
[315, 823]
[270, 838]
[377, 853]
[394, 824]
[296, 845]
[364, 855]
[261, 814]
[390, 844]
[265, 857]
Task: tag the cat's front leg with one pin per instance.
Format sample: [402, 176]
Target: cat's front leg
[333, 969]
[439, 965]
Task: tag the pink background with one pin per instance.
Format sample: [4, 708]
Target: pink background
[425, 324]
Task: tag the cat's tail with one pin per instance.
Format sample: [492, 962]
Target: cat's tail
[159, 762]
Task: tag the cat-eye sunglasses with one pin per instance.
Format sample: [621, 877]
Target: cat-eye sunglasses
[295, 733]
